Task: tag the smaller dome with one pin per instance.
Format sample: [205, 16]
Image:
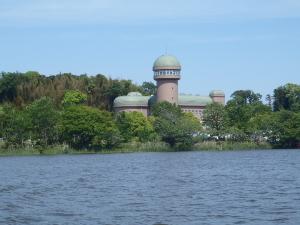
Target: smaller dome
[134, 94]
[166, 62]
[217, 93]
[131, 101]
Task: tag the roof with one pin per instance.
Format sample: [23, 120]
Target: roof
[145, 101]
[217, 93]
[134, 94]
[166, 62]
[192, 100]
[132, 99]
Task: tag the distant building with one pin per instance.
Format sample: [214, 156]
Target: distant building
[167, 70]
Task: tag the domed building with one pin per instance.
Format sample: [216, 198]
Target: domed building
[167, 73]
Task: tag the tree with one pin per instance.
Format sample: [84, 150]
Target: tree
[269, 100]
[148, 88]
[244, 97]
[242, 107]
[215, 118]
[287, 97]
[289, 128]
[32, 74]
[134, 125]
[117, 88]
[281, 129]
[15, 126]
[23, 88]
[175, 127]
[44, 118]
[8, 86]
[74, 98]
[83, 127]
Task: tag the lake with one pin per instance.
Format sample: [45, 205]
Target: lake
[182, 188]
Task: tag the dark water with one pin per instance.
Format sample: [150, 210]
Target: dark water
[244, 187]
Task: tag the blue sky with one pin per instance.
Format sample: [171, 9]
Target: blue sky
[222, 44]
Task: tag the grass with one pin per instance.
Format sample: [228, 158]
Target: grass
[132, 147]
[140, 147]
[225, 145]
[18, 151]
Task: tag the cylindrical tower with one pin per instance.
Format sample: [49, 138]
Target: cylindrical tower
[218, 96]
[166, 70]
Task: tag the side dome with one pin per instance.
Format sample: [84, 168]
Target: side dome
[166, 62]
[134, 94]
[219, 93]
[133, 99]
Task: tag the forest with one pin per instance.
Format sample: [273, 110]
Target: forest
[76, 112]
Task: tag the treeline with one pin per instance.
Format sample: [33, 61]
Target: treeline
[42, 124]
[75, 111]
[21, 89]
[246, 118]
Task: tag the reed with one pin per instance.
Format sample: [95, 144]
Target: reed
[225, 145]
[133, 147]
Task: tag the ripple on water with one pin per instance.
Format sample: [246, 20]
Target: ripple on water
[191, 188]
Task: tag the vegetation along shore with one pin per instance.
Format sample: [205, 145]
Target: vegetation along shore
[68, 114]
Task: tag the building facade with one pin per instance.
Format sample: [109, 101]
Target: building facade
[167, 73]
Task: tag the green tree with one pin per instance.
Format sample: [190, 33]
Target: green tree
[287, 97]
[32, 74]
[44, 118]
[72, 97]
[15, 126]
[148, 88]
[242, 107]
[8, 86]
[281, 129]
[134, 125]
[175, 127]
[117, 88]
[289, 128]
[83, 127]
[24, 88]
[215, 119]
[244, 97]
[269, 100]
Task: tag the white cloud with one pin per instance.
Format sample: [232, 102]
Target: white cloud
[138, 11]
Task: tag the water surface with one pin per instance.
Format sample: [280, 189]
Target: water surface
[240, 187]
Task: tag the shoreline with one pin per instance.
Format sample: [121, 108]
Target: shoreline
[135, 148]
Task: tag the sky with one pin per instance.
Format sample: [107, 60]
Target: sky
[221, 44]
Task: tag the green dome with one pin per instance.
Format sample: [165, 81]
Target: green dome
[131, 100]
[217, 93]
[166, 62]
[134, 94]
[191, 100]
